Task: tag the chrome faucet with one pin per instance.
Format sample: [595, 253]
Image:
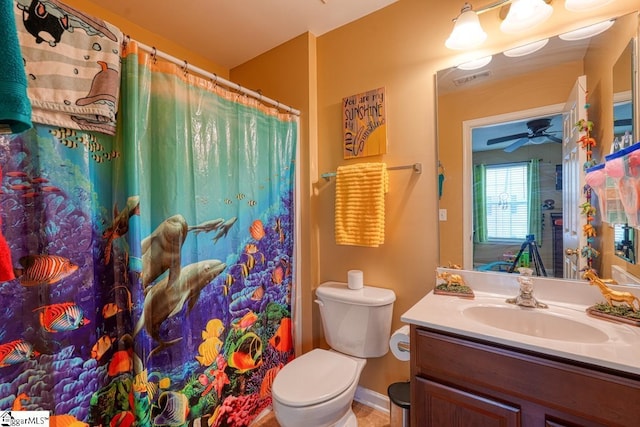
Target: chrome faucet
[526, 298]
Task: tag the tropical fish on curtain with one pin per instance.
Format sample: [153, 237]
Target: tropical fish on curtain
[154, 269]
[214, 172]
[65, 312]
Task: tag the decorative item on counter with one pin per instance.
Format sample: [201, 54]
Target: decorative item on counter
[355, 279]
[453, 285]
[626, 309]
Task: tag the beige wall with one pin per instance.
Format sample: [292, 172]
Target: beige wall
[399, 47]
[142, 35]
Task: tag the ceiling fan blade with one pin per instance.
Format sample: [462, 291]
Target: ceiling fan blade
[554, 138]
[507, 138]
[519, 143]
[622, 122]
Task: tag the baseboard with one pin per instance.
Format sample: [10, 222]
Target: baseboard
[373, 399]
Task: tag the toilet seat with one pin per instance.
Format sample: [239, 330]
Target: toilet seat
[313, 378]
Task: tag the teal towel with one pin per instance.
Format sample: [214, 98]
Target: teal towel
[15, 107]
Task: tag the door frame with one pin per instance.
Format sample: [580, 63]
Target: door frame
[467, 167]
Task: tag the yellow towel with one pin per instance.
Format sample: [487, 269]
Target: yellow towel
[359, 216]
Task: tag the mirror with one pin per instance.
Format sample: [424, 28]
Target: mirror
[517, 103]
[625, 243]
[624, 237]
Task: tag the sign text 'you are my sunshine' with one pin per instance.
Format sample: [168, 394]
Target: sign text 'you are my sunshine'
[365, 130]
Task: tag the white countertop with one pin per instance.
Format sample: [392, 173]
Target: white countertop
[619, 349]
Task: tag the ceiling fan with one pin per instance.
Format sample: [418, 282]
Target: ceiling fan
[537, 134]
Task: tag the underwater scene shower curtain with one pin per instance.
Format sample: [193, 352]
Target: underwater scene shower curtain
[153, 269]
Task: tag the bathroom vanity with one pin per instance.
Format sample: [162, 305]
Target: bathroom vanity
[484, 362]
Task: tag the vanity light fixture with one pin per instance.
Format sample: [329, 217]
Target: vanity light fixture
[522, 15]
[475, 63]
[525, 14]
[589, 31]
[582, 5]
[526, 49]
[467, 32]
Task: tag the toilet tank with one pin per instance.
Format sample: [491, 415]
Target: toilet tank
[356, 322]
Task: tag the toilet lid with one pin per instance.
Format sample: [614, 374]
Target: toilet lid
[314, 377]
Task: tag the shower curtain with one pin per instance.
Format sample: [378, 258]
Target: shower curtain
[154, 268]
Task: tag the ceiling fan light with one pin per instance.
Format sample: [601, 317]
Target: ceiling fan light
[475, 64]
[589, 31]
[524, 15]
[526, 49]
[538, 139]
[467, 32]
[582, 5]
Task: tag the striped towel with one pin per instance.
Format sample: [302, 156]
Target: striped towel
[72, 61]
[359, 216]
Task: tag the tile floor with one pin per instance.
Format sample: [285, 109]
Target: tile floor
[367, 417]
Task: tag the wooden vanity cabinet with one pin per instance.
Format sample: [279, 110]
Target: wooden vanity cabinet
[463, 382]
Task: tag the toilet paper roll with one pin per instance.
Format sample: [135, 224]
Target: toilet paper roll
[399, 343]
[355, 279]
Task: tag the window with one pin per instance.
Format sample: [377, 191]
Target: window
[507, 201]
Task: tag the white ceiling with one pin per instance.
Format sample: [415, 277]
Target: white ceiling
[231, 32]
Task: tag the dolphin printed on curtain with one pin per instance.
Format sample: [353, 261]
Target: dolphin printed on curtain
[154, 268]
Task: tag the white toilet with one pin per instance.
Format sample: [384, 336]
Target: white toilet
[317, 388]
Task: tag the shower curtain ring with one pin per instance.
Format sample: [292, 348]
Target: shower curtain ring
[154, 54]
[185, 67]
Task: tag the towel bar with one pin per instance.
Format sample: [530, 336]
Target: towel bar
[417, 168]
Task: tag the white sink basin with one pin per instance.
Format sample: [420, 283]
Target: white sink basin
[564, 329]
[536, 322]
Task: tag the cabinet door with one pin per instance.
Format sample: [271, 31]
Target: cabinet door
[442, 405]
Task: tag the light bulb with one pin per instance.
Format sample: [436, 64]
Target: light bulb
[467, 32]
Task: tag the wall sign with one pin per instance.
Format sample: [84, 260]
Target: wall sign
[365, 124]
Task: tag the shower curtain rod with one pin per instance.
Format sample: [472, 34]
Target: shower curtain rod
[216, 79]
